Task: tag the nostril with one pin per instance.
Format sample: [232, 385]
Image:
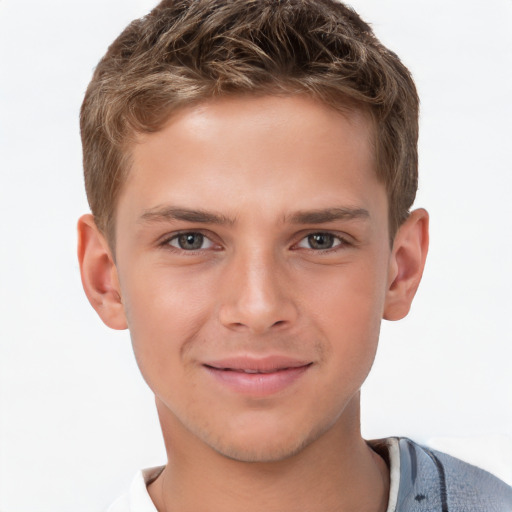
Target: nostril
[238, 326]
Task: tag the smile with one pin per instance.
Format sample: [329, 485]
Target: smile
[257, 377]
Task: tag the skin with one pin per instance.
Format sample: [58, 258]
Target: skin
[275, 176]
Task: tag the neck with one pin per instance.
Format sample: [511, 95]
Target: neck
[337, 472]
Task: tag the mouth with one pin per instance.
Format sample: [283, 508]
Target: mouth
[252, 371]
[257, 376]
[247, 370]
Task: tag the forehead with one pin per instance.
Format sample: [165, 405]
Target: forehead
[269, 153]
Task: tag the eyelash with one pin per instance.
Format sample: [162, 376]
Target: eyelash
[339, 242]
[167, 242]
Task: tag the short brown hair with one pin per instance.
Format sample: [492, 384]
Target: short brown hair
[185, 51]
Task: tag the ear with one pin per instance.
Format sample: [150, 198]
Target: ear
[406, 265]
[99, 274]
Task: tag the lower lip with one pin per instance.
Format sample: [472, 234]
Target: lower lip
[260, 384]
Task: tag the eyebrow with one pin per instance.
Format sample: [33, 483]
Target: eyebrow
[320, 216]
[327, 215]
[170, 213]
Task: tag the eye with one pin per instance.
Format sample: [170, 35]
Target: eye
[190, 241]
[321, 241]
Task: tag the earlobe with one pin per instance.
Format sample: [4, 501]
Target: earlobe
[406, 265]
[99, 274]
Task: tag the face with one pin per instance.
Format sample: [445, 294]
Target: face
[252, 255]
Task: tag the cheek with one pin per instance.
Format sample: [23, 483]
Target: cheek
[346, 305]
[165, 310]
[350, 294]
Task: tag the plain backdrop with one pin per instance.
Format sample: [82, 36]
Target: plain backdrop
[76, 419]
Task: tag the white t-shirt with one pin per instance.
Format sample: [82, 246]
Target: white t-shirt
[137, 499]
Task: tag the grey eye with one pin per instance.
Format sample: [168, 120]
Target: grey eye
[190, 241]
[321, 241]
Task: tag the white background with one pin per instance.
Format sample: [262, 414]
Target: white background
[76, 420]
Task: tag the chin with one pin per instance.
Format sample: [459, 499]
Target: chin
[263, 445]
[263, 452]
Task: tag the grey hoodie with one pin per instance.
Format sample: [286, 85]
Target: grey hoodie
[431, 481]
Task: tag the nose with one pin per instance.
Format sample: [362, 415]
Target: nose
[256, 294]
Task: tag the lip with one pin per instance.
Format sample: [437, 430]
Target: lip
[259, 376]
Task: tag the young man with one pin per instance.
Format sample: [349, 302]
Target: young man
[250, 167]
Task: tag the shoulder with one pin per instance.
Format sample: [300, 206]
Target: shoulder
[137, 499]
[122, 504]
[431, 480]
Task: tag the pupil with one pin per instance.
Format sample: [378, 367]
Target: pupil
[190, 241]
[321, 241]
